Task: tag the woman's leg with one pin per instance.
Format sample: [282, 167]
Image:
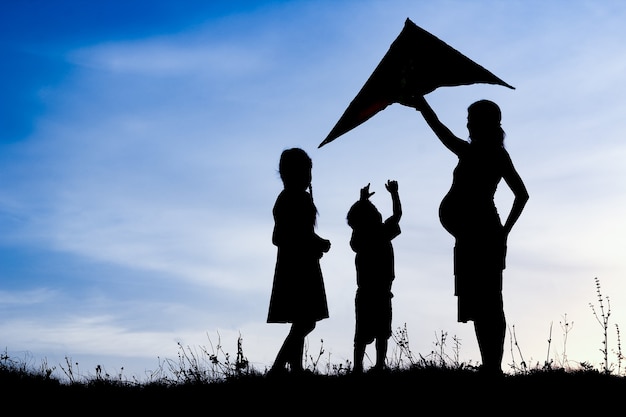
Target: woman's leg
[490, 332]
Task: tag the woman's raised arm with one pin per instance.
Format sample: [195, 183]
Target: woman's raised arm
[445, 135]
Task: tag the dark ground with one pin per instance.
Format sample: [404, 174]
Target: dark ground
[413, 392]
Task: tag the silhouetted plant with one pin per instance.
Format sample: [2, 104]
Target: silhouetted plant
[456, 349]
[314, 361]
[241, 362]
[339, 369]
[548, 363]
[603, 319]
[25, 366]
[72, 374]
[401, 339]
[561, 362]
[523, 366]
[618, 353]
[199, 365]
[566, 327]
[440, 355]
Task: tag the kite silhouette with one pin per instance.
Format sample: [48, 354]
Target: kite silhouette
[416, 63]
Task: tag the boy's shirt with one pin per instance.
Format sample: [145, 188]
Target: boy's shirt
[374, 258]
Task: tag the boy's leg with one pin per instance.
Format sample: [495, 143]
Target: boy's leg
[381, 352]
[359, 354]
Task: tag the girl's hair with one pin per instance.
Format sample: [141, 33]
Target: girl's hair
[485, 117]
[295, 168]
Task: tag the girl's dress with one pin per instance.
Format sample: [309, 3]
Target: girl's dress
[298, 292]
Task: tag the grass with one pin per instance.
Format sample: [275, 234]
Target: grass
[210, 378]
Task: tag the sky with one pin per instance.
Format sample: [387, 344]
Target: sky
[139, 147]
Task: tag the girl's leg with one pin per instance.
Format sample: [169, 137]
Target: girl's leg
[299, 332]
[293, 347]
[282, 357]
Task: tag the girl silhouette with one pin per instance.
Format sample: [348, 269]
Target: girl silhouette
[298, 294]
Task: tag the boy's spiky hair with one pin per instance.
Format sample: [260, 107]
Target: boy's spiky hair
[363, 212]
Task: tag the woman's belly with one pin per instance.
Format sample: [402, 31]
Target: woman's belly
[463, 215]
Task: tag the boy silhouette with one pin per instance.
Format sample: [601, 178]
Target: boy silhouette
[374, 261]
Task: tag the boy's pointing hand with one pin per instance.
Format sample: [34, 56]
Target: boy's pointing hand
[365, 192]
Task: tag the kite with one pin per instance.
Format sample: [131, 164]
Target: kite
[416, 63]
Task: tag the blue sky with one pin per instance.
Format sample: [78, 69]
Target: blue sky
[139, 146]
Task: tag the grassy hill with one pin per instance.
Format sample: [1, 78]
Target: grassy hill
[417, 390]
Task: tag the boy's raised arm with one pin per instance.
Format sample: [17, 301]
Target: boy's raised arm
[392, 187]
